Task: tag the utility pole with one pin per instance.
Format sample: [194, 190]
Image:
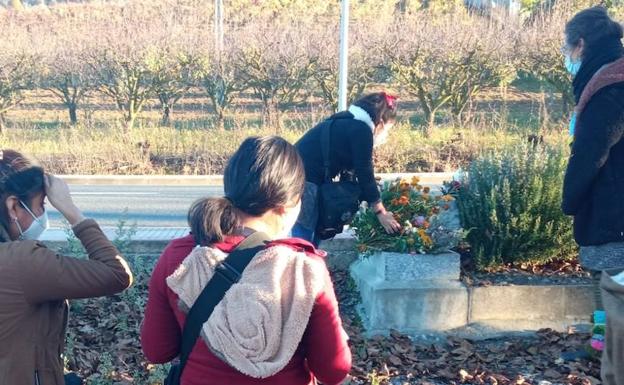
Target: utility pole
[343, 76]
[218, 22]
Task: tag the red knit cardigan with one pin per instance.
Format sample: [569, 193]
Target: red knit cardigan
[322, 354]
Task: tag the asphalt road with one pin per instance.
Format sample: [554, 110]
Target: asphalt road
[145, 205]
[157, 206]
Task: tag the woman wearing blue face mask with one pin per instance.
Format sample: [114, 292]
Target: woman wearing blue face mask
[35, 282]
[594, 179]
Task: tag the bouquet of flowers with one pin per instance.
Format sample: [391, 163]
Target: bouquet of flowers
[424, 217]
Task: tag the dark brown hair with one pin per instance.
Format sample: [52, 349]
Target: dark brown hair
[263, 174]
[377, 106]
[593, 25]
[20, 177]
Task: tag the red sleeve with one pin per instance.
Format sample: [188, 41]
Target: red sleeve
[327, 350]
[160, 332]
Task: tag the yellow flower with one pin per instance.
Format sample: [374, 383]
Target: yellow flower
[415, 181]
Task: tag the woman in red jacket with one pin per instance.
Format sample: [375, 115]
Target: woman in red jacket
[279, 324]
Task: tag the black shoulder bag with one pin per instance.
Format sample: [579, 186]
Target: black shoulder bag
[226, 275]
[338, 201]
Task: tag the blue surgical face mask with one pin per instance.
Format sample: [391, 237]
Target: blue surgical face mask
[572, 124]
[573, 66]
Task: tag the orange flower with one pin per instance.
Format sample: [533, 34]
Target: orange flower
[426, 225]
[403, 201]
[448, 198]
[415, 181]
[419, 187]
[427, 190]
[426, 239]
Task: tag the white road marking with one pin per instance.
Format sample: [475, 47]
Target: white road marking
[113, 193]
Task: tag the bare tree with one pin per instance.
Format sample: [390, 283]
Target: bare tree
[217, 74]
[540, 47]
[173, 77]
[16, 75]
[445, 60]
[66, 74]
[275, 63]
[365, 61]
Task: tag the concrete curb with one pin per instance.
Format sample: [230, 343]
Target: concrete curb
[213, 180]
[146, 240]
[491, 311]
[145, 180]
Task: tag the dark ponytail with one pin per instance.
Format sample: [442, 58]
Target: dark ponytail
[211, 219]
[263, 174]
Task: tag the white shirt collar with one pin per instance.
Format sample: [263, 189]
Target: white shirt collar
[360, 114]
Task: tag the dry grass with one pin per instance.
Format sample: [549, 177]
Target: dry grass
[192, 146]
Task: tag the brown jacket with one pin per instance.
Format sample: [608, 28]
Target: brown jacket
[34, 285]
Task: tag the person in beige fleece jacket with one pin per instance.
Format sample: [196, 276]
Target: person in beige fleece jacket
[35, 282]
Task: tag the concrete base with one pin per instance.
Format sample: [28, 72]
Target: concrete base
[408, 306]
[399, 267]
[517, 308]
[420, 307]
[341, 251]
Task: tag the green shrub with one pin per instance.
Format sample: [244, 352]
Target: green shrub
[511, 203]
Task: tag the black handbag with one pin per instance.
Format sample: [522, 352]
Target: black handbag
[226, 275]
[339, 201]
[73, 379]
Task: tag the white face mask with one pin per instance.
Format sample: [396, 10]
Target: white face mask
[36, 228]
[289, 219]
[382, 137]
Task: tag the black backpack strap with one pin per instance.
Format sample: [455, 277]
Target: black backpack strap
[325, 142]
[226, 275]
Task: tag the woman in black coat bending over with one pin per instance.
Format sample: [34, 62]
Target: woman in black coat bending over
[353, 135]
[594, 181]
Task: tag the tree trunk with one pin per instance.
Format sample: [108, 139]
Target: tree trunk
[220, 112]
[272, 116]
[429, 119]
[130, 118]
[73, 113]
[167, 110]
[428, 128]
